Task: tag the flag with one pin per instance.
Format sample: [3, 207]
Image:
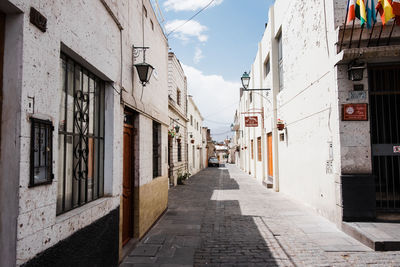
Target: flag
[396, 7]
[385, 10]
[371, 15]
[351, 15]
[360, 11]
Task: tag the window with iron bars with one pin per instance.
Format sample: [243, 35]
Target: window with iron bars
[81, 137]
[156, 149]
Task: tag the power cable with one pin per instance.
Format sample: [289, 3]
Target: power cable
[217, 122]
[237, 102]
[192, 17]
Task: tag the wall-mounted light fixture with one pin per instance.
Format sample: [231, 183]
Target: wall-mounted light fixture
[246, 82]
[144, 69]
[355, 70]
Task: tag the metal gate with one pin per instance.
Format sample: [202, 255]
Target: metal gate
[384, 92]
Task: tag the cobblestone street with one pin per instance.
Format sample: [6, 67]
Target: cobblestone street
[223, 217]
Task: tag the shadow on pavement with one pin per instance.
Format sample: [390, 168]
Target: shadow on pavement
[199, 229]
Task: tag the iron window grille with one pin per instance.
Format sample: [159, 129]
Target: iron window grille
[81, 137]
[156, 149]
[41, 154]
[179, 150]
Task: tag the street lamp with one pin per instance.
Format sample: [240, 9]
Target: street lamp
[246, 81]
[144, 69]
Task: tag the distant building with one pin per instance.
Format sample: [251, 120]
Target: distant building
[177, 112]
[195, 138]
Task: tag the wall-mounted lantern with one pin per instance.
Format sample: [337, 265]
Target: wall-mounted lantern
[144, 69]
[177, 128]
[355, 70]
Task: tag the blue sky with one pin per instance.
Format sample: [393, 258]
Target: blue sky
[215, 48]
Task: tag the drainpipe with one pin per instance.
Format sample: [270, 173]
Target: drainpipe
[275, 91]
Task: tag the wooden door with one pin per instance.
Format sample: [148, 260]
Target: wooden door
[270, 157]
[127, 186]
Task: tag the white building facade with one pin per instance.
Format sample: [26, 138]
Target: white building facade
[177, 131]
[335, 143]
[81, 139]
[196, 147]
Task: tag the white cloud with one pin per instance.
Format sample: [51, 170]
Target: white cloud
[188, 30]
[216, 98]
[198, 55]
[188, 5]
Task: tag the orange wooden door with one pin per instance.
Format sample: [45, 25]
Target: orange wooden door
[270, 157]
[127, 186]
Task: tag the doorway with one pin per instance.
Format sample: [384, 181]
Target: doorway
[128, 179]
[384, 93]
[270, 158]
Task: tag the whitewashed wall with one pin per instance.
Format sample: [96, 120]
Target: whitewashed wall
[194, 154]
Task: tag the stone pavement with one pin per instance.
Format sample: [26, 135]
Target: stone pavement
[223, 217]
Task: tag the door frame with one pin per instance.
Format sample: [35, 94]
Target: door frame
[134, 185]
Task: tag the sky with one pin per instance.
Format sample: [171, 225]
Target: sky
[215, 48]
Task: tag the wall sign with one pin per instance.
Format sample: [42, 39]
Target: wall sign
[355, 112]
[38, 19]
[396, 149]
[251, 121]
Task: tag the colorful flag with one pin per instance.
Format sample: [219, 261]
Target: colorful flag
[371, 15]
[396, 7]
[385, 10]
[351, 15]
[361, 12]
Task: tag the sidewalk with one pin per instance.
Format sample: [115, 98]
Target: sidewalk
[223, 217]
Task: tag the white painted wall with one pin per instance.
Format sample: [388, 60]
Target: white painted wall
[88, 33]
[195, 130]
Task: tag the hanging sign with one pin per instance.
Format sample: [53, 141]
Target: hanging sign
[251, 121]
[396, 149]
[355, 112]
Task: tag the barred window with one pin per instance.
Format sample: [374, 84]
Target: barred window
[81, 137]
[259, 151]
[156, 149]
[252, 148]
[179, 150]
[280, 61]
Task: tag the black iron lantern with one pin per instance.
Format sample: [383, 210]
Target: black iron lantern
[144, 71]
[245, 80]
[177, 128]
[355, 71]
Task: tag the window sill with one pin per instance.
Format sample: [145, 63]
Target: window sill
[76, 212]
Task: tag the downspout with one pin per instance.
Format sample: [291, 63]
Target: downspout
[275, 91]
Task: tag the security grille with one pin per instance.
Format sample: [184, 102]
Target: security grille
[81, 137]
[384, 85]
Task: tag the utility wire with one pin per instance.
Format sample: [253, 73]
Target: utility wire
[192, 17]
[217, 122]
[222, 109]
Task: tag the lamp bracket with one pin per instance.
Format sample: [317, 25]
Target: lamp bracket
[137, 50]
[262, 89]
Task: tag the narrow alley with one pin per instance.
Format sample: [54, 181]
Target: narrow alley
[222, 217]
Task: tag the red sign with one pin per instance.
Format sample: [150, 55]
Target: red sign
[396, 149]
[355, 112]
[251, 121]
